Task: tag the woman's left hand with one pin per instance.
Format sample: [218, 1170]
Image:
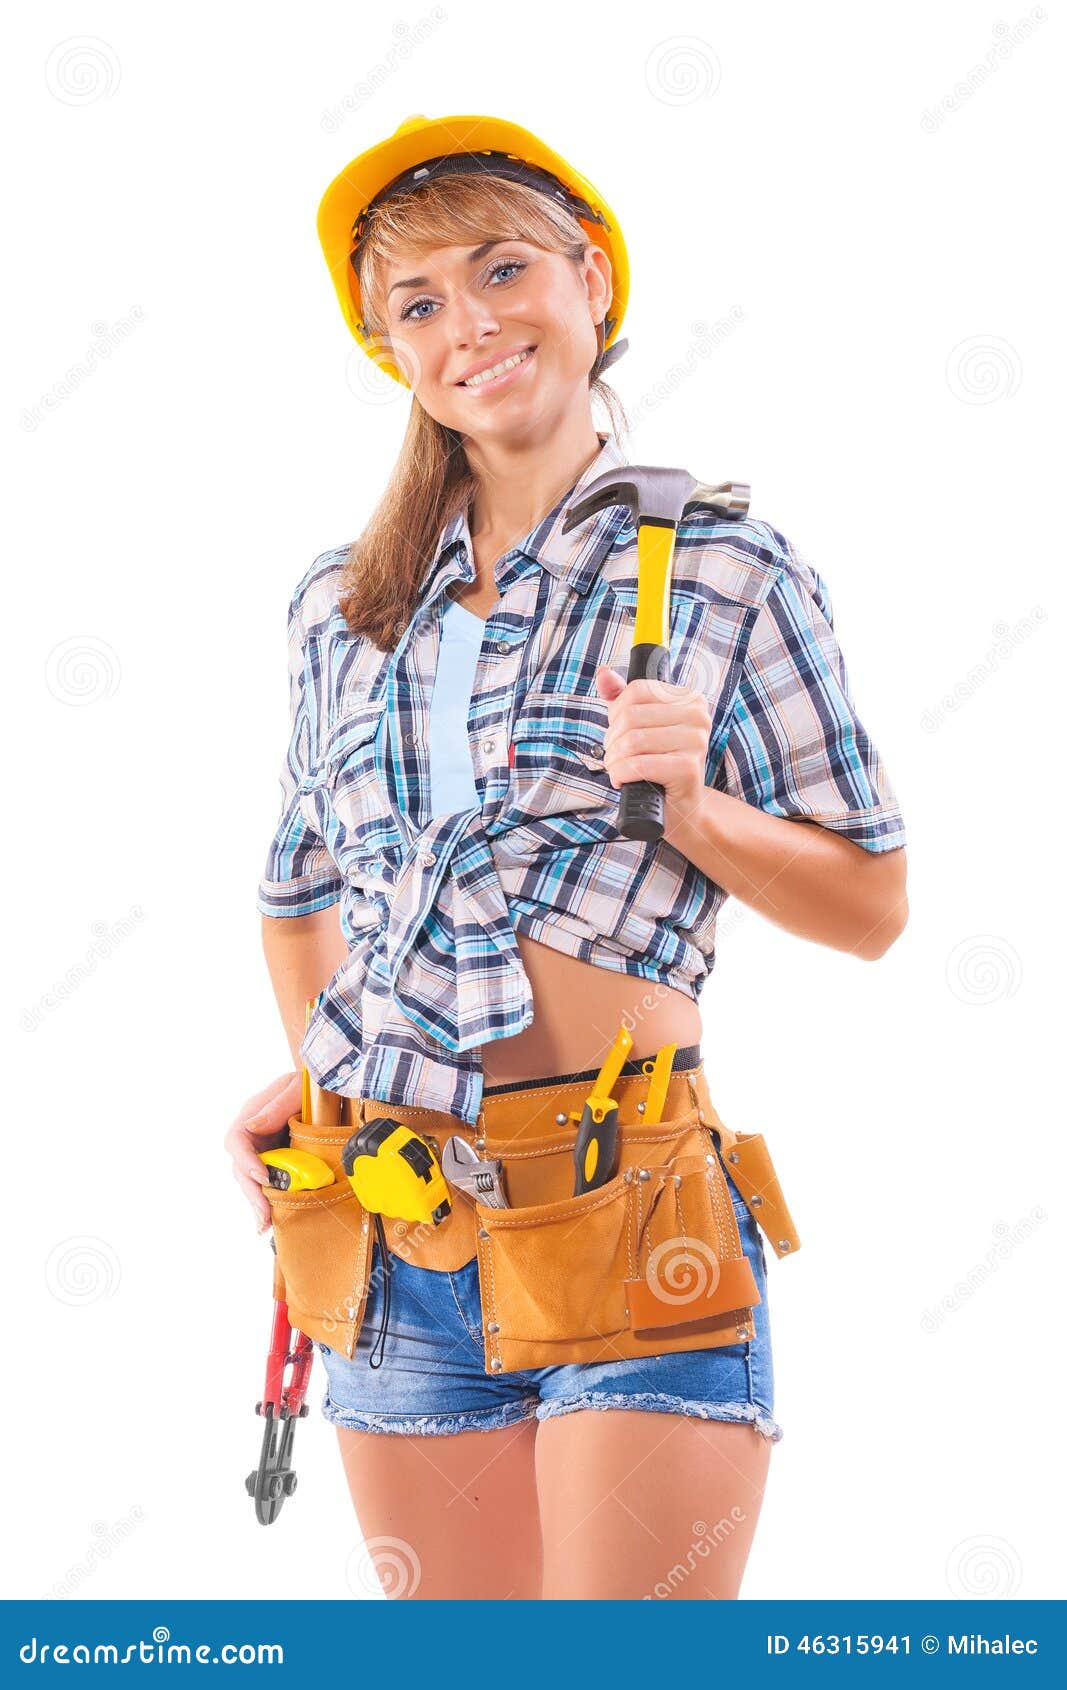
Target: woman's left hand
[659, 732]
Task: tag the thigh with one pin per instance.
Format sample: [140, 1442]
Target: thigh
[446, 1517]
[636, 1504]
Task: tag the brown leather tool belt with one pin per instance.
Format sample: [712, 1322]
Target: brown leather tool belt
[647, 1263]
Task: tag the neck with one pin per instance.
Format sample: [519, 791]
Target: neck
[520, 480]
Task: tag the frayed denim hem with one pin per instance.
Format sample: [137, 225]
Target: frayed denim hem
[654, 1403]
[430, 1425]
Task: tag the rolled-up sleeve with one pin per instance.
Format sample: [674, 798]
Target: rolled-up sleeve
[300, 876]
[796, 745]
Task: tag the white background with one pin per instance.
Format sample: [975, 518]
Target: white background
[189, 424]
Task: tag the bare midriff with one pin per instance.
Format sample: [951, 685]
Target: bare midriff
[578, 1009]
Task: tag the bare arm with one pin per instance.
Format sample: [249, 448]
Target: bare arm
[303, 954]
[806, 878]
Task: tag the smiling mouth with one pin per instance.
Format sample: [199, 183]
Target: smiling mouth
[497, 370]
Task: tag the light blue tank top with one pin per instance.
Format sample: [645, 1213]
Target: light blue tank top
[452, 785]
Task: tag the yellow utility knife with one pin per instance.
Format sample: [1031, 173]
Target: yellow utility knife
[596, 1146]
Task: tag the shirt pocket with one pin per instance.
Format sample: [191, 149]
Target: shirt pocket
[557, 755]
[350, 776]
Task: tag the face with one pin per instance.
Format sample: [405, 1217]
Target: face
[457, 312]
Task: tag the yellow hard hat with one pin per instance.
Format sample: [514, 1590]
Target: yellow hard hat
[423, 148]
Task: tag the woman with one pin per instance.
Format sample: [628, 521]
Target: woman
[460, 732]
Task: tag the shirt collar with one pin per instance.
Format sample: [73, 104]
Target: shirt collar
[572, 558]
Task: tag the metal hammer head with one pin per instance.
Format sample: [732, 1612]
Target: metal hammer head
[652, 491]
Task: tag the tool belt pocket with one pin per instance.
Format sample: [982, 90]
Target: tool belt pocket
[652, 1261]
[322, 1242]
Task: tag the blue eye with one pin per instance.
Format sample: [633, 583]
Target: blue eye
[501, 264]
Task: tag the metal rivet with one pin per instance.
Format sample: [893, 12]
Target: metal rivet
[493, 1327]
[350, 1313]
[479, 1144]
[742, 1331]
[755, 1200]
[733, 1156]
[366, 1226]
[496, 1364]
[677, 1179]
[482, 1232]
[562, 1118]
[627, 1177]
[640, 1108]
[784, 1244]
[710, 1160]
[700, 1115]
[643, 1173]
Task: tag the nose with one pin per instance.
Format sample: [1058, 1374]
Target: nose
[470, 320]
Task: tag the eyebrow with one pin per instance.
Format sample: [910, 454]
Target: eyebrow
[424, 281]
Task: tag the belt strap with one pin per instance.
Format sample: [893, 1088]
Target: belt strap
[751, 1169]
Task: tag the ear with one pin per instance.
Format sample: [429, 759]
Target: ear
[598, 281]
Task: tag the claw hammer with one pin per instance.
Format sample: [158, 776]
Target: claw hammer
[657, 499]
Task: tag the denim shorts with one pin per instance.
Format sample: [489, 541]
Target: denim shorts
[433, 1380]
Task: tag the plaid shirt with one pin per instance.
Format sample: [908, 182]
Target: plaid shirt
[430, 906]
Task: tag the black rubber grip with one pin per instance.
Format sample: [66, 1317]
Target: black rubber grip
[642, 810]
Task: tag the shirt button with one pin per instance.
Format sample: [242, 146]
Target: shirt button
[344, 1070]
[502, 645]
[427, 857]
[487, 744]
[409, 739]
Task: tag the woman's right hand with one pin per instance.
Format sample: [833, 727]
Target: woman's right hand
[263, 1124]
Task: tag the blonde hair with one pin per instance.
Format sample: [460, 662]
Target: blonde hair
[431, 481]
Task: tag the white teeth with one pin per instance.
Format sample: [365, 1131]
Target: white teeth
[497, 370]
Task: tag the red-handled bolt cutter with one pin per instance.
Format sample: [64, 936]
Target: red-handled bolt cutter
[282, 1406]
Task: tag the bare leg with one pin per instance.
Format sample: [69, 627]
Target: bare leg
[460, 1510]
[635, 1504]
